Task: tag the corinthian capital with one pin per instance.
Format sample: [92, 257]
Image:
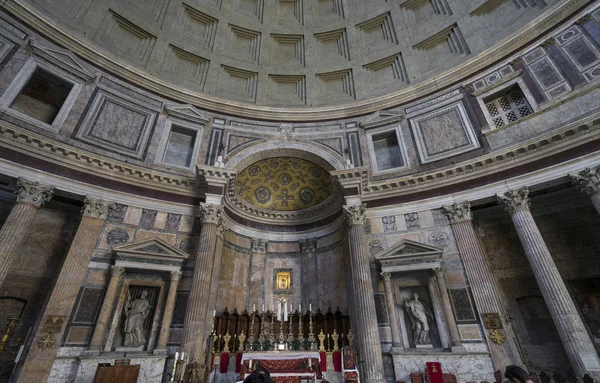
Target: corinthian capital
[587, 181]
[210, 213]
[222, 227]
[458, 212]
[117, 271]
[96, 208]
[33, 193]
[355, 215]
[515, 200]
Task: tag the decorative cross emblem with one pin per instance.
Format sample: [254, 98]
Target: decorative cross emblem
[242, 187]
[46, 341]
[497, 337]
[284, 198]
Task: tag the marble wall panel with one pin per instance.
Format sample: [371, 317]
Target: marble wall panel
[332, 278]
[117, 123]
[466, 367]
[443, 133]
[233, 280]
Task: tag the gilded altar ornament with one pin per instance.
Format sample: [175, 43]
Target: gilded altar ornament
[46, 341]
[335, 336]
[11, 326]
[226, 338]
[350, 338]
[311, 336]
[497, 337]
[242, 338]
[321, 337]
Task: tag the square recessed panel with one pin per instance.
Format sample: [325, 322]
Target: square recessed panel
[117, 124]
[443, 133]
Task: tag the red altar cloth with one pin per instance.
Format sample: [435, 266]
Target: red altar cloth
[433, 371]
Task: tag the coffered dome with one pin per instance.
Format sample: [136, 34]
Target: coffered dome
[291, 53]
[283, 184]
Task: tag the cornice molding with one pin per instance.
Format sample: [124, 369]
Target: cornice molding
[38, 146]
[100, 57]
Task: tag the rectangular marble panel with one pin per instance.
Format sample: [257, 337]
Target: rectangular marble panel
[463, 308]
[469, 332]
[443, 133]
[117, 124]
[89, 304]
[546, 73]
[583, 54]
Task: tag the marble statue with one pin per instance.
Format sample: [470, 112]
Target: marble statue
[419, 314]
[135, 314]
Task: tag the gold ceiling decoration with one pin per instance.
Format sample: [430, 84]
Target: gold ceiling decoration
[284, 184]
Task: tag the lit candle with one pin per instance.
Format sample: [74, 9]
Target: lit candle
[310, 307]
[300, 308]
[254, 308]
[214, 313]
[176, 355]
[285, 311]
[182, 354]
[263, 308]
[278, 311]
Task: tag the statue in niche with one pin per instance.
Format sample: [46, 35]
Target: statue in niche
[419, 315]
[135, 314]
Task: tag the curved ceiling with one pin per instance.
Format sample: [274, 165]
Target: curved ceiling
[292, 53]
[283, 184]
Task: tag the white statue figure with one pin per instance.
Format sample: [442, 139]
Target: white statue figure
[135, 314]
[419, 314]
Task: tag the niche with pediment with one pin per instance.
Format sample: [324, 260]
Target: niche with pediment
[416, 294]
[138, 307]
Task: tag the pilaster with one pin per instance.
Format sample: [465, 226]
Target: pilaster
[30, 197]
[41, 355]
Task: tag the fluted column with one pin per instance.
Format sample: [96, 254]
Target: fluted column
[194, 342]
[62, 300]
[216, 271]
[30, 197]
[116, 275]
[482, 282]
[588, 182]
[392, 314]
[567, 320]
[367, 332]
[163, 338]
[449, 314]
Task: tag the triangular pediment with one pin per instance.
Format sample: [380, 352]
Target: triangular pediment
[410, 254]
[154, 247]
[381, 118]
[63, 59]
[187, 113]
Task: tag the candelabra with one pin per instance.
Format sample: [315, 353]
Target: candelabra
[251, 338]
[227, 338]
[321, 341]
[263, 335]
[311, 335]
[290, 337]
[350, 338]
[272, 330]
[300, 330]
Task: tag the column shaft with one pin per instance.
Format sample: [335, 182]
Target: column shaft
[41, 356]
[106, 311]
[367, 332]
[484, 291]
[452, 328]
[568, 322]
[596, 201]
[392, 314]
[163, 338]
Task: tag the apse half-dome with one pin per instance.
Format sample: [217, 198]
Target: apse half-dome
[284, 184]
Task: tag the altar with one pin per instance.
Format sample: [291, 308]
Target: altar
[284, 366]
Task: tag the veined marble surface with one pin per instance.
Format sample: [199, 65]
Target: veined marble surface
[83, 370]
[466, 367]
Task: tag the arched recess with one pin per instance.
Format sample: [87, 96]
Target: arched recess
[319, 154]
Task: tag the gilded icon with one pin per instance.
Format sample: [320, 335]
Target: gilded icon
[283, 280]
